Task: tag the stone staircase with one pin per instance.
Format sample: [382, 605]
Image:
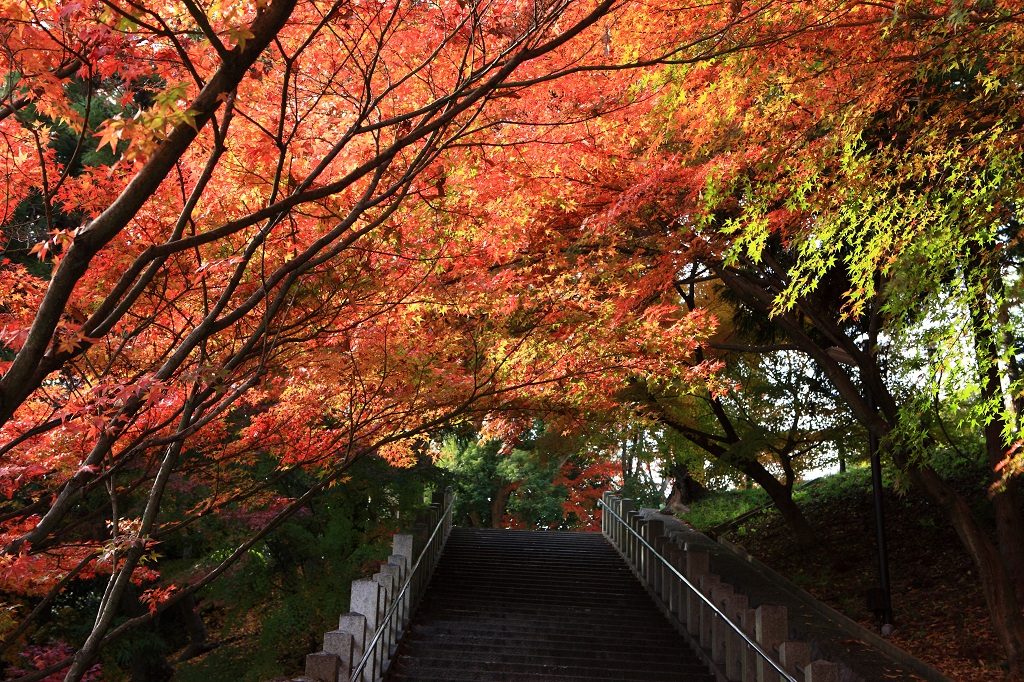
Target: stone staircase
[522, 605]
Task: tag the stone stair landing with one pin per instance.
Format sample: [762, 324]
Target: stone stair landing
[539, 605]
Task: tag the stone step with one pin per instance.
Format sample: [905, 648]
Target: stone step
[605, 640]
[624, 628]
[539, 651]
[522, 605]
[469, 675]
[439, 669]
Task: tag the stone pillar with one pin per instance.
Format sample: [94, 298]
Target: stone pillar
[748, 621]
[403, 545]
[772, 629]
[606, 503]
[402, 567]
[664, 547]
[650, 531]
[794, 656]
[735, 648]
[354, 624]
[395, 574]
[387, 583]
[633, 521]
[821, 671]
[676, 589]
[622, 539]
[706, 615]
[367, 599]
[697, 562]
[434, 550]
[341, 644]
[322, 667]
[721, 595]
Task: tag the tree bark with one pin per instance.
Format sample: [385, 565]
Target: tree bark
[782, 497]
[685, 488]
[717, 447]
[996, 583]
[500, 502]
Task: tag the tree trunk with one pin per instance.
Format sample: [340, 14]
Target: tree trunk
[996, 583]
[500, 501]
[685, 488]
[782, 498]
[194, 626]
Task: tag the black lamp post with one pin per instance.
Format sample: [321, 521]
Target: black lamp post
[883, 605]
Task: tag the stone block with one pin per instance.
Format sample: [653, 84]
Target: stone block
[322, 667]
[632, 544]
[705, 614]
[606, 518]
[341, 644]
[355, 625]
[696, 567]
[678, 538]
[697, 564]
[678, 589]
[720, 630]
[821, 671]
[771, 629]
[367, 599]
[747, 621]
[794, 656]
[402, 545]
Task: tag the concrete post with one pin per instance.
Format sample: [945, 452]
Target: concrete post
[395, 573]
[434, 550]
[402, 568]
[367, 600]
[748, 621]
[322, 667]
[677, 590]
[606, 501]
[794, 656]
[387, 583]
[821, 671]
[623, 535]
[662, 544]
[708, 582]
[403, 545]
[633, 521]
[678, 538]
[341, 644]
[354, 624]
[735, 648]
[721, 595]
[772, 627]
[697, 562]
[649, 531]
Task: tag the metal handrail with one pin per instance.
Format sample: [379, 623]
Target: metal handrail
[386, 624]
[736, 628]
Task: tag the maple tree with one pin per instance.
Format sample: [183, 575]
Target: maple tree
[316, 231]
[858, 185]
[264, 211]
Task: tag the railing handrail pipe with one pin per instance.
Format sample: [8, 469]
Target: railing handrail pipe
[385, 623]
[718, 612]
